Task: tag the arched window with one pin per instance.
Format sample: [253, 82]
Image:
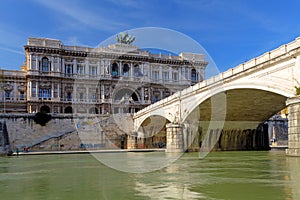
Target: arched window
[45, 64]
[194, 75]
[69, 109]
[93, 110]
[45, 109]
[115, 70]
[126, 70]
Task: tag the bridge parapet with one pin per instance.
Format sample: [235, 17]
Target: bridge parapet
[255, 90]
[283, 52]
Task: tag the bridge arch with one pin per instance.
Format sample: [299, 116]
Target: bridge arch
[153, 131]
[268, 88]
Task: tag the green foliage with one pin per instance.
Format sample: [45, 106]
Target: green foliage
[297, 90]
[42, 118]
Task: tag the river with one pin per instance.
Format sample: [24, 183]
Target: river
[221, 175]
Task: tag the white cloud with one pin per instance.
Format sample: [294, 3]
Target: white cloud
[12, 50]
[78, 13]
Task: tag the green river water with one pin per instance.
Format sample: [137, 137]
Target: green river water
[221, 175]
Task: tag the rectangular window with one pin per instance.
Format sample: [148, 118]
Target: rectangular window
[175, 76]
[81, 96]
[93, 71]
[187, 74]
[44, 93]
[93, 97]
[165, 76]
[69, 69]
[33, 89]
[155, 75]
[7, 95]
[80, 69]
[69, 96]
[22, 95]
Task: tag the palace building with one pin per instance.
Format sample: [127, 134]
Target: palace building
[118, 78]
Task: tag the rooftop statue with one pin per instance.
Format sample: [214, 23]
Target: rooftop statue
[125, 38]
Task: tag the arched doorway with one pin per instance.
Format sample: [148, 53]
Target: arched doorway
[45, 109]
[69, 109]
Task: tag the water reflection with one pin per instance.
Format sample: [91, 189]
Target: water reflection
[293, 166]
[137, 162]
[220, 176]
[167, 191]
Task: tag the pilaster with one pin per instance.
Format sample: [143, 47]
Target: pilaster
[294, 126]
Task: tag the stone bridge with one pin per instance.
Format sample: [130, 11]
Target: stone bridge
[241, 97]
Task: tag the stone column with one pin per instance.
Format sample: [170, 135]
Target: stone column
[37, 67]
[174, 138]
[52, 90]
[63, 66]
[293, 104]
[102, 91]
[74, 70]
[131, 70]
[132, 140]
[86, 68]
[120, 69]
[58, 90]
[29, 93]
[98, 68]
[143, 95]
[160, 74]
[29, 67]
[37, 92]
[170, 74]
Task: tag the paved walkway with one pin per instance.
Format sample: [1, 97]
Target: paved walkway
[88, 151]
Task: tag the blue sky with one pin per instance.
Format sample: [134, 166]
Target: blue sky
[231, 31]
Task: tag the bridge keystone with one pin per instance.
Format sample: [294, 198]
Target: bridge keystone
[293, 104]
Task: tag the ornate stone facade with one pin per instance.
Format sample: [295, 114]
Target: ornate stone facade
[119, 78]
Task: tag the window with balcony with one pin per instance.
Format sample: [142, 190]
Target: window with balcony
[44, 93]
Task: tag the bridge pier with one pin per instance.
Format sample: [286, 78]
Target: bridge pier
[132, 140]
[174, 138]
[294, 126]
